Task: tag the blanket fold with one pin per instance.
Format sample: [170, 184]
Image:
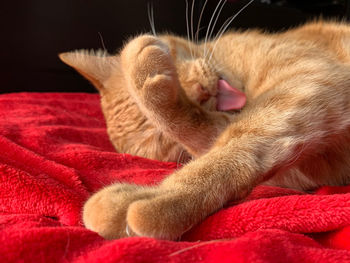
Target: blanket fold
[55, 153]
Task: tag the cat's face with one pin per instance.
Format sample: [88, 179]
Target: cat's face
[197, 75]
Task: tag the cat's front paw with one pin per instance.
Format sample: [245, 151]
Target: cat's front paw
[123, 210]
[150, 71]
[105, 212]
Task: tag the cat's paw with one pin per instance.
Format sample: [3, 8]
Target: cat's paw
[150, 70]
[105, 212]
[123, 210]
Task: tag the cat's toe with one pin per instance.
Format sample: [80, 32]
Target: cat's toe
[162, 217]
[139, 44]
[105, 211]
[146, 57]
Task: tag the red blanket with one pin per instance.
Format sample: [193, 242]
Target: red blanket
[54, 152]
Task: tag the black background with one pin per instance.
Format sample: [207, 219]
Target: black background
[35, 31]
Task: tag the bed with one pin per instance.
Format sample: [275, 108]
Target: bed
[55, 152]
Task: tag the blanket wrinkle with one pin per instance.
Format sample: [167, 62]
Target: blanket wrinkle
[24, 158]
[55, 153]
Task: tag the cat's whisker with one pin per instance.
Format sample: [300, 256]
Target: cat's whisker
[223, 29]
[216, 39]
[225, 25]
[209, 27]
[192, 26]
[216, 19]
[197, 40]
[200, 20]
[219, 68]
[102, 42]
[151, 18]
[188, 29]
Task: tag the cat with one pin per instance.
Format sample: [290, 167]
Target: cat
[250, 107]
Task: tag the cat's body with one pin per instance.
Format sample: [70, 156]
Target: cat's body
[159, 100]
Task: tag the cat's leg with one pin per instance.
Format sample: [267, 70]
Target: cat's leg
[153, 82]
[227, 172]
[249, 152]
[265, 138]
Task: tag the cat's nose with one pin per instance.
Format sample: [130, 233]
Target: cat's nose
[202, 93]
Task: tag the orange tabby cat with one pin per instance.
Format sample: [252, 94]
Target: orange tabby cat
[164, 95]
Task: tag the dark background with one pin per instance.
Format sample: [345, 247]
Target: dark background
[35, 31]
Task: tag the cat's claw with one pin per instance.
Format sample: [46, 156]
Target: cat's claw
[127, 231]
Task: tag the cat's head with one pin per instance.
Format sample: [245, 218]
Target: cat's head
[128, 128]
[198, 77]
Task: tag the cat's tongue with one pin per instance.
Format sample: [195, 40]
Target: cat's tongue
[228, 97]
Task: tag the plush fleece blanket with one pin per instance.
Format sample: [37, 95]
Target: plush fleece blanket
[54, 153]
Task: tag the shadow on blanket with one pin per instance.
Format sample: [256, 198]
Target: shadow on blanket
[54, 152]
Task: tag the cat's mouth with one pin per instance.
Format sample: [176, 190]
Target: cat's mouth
[228, 97]
[224, 97]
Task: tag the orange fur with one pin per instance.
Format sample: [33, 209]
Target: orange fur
[159, 100]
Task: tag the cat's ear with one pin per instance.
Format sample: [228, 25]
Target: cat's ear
[96, 66]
